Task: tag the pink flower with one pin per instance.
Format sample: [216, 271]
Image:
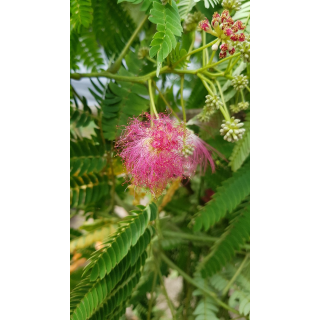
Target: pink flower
[200, 156]
[155, 155]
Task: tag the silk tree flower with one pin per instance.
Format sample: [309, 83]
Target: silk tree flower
[158, 152]
[223, 27]
[200, 155]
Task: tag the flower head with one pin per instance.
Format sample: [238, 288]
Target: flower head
[244, 48]
[240, 106]
[231, 130]
[223, 27]
[192, 20]
[200, 156]
[231, 4]
[156, 154]
[239, 82]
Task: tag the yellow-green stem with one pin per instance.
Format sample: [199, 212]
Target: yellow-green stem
[218, 62]
[165, 101]
[117, 64]
[182, 102]
[229, 284]
[214, 52]
[222, 98]
[194, 51]
[152, 105]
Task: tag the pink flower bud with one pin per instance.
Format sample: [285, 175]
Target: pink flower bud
[241, 37]
[235, 28]
[232, 51]
[216, 15]
[228, 32]
[240, 25]
[222, 54]
[224, 47]
[234, 37]
[215, 23]
[204, 25]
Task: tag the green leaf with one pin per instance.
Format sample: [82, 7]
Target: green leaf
[81, 13]
[228, 196]
[168, 24]
[235, 235]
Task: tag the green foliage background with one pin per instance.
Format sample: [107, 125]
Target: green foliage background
[199, 230]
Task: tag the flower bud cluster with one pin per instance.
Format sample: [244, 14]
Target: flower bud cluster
[223, 27]
[231, 4]
[231, 130]
[244, 48]
[239, 82]
[192, 20]
[212, 104]
[143, 52]
[240, 106]
[203, 116]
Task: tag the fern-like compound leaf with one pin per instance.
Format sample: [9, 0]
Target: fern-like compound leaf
[168, 26]
[86, 157]
[121, 100]
[81, 14]
[132, 236]
[88, 188]
[86, 240]
[236, 234]
[176, 54]
[87, 301]
[228, 196]
[184, 7]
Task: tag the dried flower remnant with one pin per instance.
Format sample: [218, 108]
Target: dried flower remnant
[223, 27]
[156, 154]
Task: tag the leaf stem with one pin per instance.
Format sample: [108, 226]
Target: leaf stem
[188, 236]
[218, 62]
[222, 98]
[164, 290]
[151, 298]
[181, 99]
[232, 66]
[152, 105]
[195, 51]
[229, 284]
[213, 53]
[205, 83]
[117, 64]
[164, 100]
[194, 283]
[152, 60]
